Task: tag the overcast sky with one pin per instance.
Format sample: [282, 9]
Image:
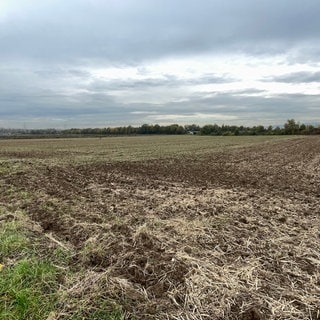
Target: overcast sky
[81, 63]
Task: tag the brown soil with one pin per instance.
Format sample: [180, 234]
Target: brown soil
[230, 235]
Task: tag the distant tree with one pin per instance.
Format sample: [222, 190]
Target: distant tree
[291, 127]
[192, 128]
[310, 129]
[157, 129]
[302, 128]
[144, 129]
[260, 130]
[269, 130]
[207, 129]
[277, 131]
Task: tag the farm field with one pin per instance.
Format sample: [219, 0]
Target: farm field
[160, 227]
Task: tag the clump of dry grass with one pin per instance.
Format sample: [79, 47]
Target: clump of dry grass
[216, 267]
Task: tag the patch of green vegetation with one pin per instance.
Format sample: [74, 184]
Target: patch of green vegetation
[24, 195]
[16, 196]
[30, 285]
[12, 242]
[26, 282]
[9, 168]
[60, 257]
[28, 290]
[103, 310]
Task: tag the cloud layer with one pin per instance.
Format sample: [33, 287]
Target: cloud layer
[97, 63]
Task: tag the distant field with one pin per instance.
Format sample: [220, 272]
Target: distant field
[123, 148]
[160, 227]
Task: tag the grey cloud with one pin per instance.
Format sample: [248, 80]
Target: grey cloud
[127, 32]
[53, 104]
[248, 91]
[102, 110]
[47, 48]
[211, 79]
[247, 110]
[276, 108]
[307, 53]
[165, 81]
[296, 77]
[59, 72]
[106, 85]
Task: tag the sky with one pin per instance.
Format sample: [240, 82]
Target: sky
[101, 63]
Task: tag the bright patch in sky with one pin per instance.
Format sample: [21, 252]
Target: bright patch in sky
[240, 73]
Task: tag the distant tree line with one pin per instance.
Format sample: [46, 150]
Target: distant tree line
[291, 127]
[130, 130]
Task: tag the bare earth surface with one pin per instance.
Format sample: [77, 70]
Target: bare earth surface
[229, 234]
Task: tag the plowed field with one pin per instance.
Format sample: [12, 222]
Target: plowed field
[231, 232]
